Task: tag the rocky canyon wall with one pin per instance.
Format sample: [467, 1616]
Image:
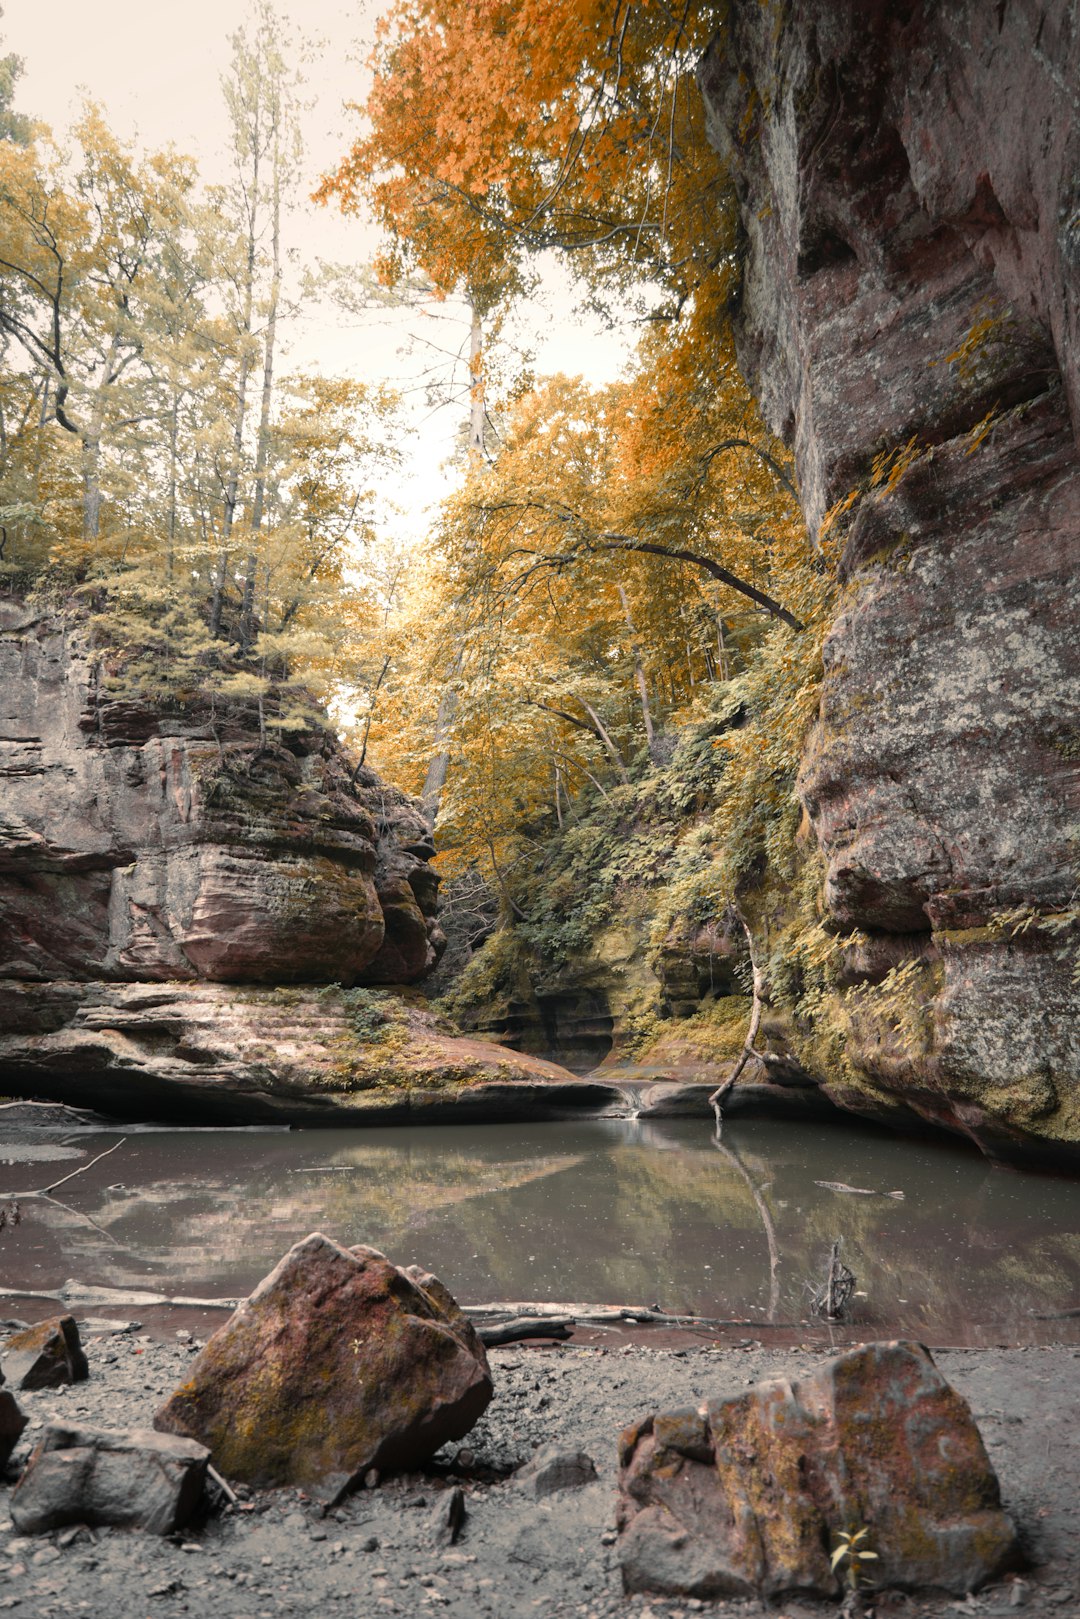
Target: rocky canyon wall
[146, 845]
[190, 913]
[908, 178]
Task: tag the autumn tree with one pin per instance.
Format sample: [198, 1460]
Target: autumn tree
[209, 515]
[14, 125]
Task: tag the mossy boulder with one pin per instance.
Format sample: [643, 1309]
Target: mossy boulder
[749, 1495]
[338, 1362]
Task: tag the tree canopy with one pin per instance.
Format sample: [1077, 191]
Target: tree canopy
[627, 549]
[211, 513]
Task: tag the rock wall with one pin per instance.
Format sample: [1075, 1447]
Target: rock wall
[908, 178]
[139, 845]
[172, 889]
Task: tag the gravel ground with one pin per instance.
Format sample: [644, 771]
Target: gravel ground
[275, 1554]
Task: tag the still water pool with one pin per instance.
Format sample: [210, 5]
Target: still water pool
[626, 1212]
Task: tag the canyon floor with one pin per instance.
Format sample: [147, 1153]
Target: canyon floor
[274, 1555]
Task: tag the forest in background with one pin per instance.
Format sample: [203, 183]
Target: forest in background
[602, 666]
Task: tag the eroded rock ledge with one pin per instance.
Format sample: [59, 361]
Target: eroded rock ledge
[909, 317]
[169, 884]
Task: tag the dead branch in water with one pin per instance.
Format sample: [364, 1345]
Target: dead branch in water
[757, 1193]
[856, 1191]
[44, 1191]
[832, 1299]
[749, 1050]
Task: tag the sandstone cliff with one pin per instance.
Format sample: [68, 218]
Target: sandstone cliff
[143, 847]
[909, 316]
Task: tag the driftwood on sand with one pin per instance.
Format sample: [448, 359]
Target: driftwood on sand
[496, 1323]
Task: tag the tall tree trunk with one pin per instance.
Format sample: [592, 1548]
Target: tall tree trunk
[174, 434]
[477, 401]
[232, 481]
[262, 448]
[639, 678]
[90, 440]
[439, 768]
[91, 482]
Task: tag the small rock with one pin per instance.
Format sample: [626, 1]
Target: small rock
[448, 1519]
[46, 1356]
[12, 1424]
[372, 1478]
[371, 1544]
[553, 1468]
[131, 1479]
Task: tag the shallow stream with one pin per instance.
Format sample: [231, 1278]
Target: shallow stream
[626, 1212]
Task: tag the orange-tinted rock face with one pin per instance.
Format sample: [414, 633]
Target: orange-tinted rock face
[911, 288]
[143, 845]
[338, 1362]
[751, 1494]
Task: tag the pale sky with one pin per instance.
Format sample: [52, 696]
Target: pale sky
[155, 66]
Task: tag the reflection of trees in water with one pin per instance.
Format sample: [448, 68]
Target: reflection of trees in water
[192, 1227]
[611, 1215]
[758, 1194]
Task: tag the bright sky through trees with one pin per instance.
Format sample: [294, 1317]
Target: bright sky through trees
[155, 69]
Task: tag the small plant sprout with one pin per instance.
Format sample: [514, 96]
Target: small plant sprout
[851, 1551]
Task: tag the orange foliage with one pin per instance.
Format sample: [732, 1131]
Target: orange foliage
[499, 128]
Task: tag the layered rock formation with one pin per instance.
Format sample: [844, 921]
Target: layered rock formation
[909, 316]
[141, 845]
[160, 871]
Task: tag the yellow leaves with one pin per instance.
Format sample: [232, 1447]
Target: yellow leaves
[982, 430]
[991, 319]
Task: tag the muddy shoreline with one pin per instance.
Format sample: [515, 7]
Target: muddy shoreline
[275, 1554]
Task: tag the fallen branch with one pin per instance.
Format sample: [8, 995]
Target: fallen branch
[226, 1489]
[831, 1300]
[528, 1326]
[749, 1050]
[44, 1191]
[855, 1191]
[73, 1292]
[614, 1314]
[81, 1171]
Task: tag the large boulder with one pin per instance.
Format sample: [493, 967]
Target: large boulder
[129, 1479]
[12, 1424]
[748, 1495]
[337, 1363]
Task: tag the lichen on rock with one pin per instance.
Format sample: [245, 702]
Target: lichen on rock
[907, 315]
[337, 1363]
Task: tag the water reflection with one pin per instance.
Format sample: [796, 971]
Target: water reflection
[629, 1212]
